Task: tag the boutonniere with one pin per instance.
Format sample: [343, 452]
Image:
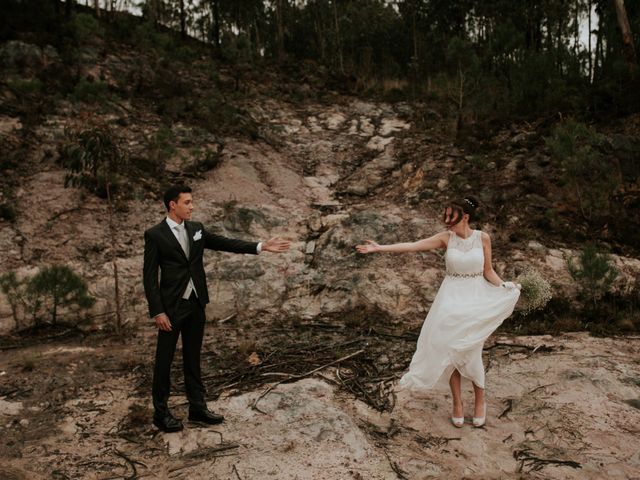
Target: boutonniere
[197, 236]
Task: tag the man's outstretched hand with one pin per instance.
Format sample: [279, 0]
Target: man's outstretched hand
[276, 245]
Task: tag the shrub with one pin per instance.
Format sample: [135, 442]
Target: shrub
[12, 289]
[60, 287]
[590, 175]
[7, 212]
[594, 272]
[94, 161]
[86, 28]
[45, 294]
[91, 92]
[25, 86]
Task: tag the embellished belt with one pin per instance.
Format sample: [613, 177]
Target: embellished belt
[464, 275]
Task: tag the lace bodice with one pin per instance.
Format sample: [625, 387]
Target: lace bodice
[464, 256]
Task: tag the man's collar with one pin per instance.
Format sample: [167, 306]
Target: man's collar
[172, 224]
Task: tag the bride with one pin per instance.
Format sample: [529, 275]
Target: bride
[471, 303]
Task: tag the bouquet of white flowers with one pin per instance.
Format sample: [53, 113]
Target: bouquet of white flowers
[535, 292]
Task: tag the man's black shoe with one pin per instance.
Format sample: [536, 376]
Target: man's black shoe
[205, 416]
[168, 423]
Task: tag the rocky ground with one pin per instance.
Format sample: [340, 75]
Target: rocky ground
[340, 174]
[559, 407]
[327, 174]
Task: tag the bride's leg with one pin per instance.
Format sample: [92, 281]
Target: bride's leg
[479, 407]
[456, 392]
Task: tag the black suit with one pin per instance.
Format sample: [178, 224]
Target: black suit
[163, 251]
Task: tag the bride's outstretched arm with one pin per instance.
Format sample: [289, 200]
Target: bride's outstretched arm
[437, 241]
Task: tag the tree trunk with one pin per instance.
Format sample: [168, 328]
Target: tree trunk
[96, 6]
[153, 12]
[460, 120]
[183, 20]
[257, 43]
[67, 8]
[627, 38]
[597, 64]
[280, 31]
[590, 8]
[335, 15]
[112, 232]
[215, 9]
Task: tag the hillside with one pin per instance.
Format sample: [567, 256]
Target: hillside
[292, 152]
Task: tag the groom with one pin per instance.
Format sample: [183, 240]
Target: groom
[178, 297]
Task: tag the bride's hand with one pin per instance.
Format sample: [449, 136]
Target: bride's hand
[369, 248]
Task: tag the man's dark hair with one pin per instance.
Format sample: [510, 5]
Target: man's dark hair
[173, 193]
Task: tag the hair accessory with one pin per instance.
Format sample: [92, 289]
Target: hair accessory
[470, 202]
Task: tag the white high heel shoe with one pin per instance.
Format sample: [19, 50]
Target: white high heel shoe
[458, 422]
[480, 421]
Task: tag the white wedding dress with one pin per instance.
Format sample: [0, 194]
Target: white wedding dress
[466, 310]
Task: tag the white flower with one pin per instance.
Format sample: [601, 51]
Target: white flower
[197, 236]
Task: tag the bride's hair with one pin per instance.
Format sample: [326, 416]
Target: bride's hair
[469, 206]
[453, 211]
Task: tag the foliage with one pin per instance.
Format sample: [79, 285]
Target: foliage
[592, 176]
[59, 287]
[7, 212]
[11, 287]
[94, 161]
[594, 271]
[86, 28]
[25, 86]
[44, 294]
[164, 44]
[91, 91]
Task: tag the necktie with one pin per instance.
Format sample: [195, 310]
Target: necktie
[184, 240]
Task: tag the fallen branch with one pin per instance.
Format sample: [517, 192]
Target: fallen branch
[131, 463]
[235, 470]
[431, 441]
[509, 403]
[535, 464]
[254, 405]
[394, 466]
[207, 452]
[534, 349]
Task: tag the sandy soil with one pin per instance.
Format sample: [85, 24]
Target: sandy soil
[559, 408]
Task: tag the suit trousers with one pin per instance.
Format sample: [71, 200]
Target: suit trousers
[187, 320]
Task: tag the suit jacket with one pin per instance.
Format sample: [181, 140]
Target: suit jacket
[163, 251]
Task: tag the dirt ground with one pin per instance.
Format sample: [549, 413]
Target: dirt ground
[78, 407]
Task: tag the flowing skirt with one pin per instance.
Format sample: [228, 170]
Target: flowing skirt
[463, 315]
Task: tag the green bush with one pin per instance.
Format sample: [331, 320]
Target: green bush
[43, 295]
[94, 161]
[91, 92]
[12, 289]
[594, 272]
[590, 175]
[7, 212]
[164, 44]
[25, 86]
[60, 287]
[86, 28]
